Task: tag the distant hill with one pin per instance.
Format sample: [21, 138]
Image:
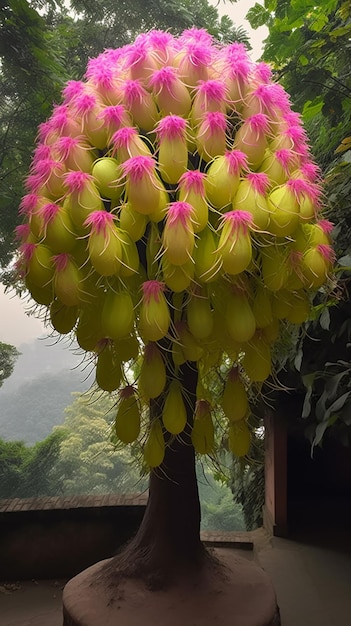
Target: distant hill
[33, 399]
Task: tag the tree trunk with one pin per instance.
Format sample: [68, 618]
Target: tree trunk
[168, 539]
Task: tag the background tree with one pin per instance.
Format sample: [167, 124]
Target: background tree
[30, 471]
[8, 356]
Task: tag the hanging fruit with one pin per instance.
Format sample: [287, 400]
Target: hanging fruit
[173, 215]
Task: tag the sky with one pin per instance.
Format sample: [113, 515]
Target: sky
[16, 326]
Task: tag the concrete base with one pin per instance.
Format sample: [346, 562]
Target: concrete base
[232, 592]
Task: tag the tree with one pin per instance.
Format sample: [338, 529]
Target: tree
[177, 227]
[8, 356]
[29, 471]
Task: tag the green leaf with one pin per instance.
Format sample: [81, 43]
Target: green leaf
[324, 319]
[317, 24]
[312, 108]
[320, 430]
[339, 402]
[258, 16]
[303, 60]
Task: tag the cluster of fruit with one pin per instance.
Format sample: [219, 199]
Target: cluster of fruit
[172, 198]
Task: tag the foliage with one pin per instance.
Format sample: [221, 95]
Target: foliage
[29, 471]
[8, 356]
[247, 481]
[309, 47]
[89, 462]
[31, 76]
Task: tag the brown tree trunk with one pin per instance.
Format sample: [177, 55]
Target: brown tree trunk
[168, 539]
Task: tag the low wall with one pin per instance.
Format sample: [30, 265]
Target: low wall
[58, 537]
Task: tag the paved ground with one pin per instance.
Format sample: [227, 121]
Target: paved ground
[311, 575]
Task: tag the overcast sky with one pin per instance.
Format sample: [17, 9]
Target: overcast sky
[16, 326]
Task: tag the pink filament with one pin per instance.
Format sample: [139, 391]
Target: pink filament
[236, 161]
[193, 180]
[152, 290]
[213, 90]
[28, 204]
[137, 167]
[326, 251]
[215, 121]
[326, 226]
[61, 261]
[76, 180]
[27, 250]
[73, 89]
[258, 122]
[179, 212]
[165, 77]
[49, 212]
[22, 231]
[259, 181]
[171, 127]
[100, 221]
[239, 220]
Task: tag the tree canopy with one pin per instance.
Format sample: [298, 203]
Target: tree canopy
[8, 356]
[45, 43]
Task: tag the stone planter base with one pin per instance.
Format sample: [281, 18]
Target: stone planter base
[233, 591]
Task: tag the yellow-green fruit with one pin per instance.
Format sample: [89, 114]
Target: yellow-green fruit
[234, 399]
[41, 295]
[257, 358]
[62, 317]
[107, 173]
[177, 277]
[174, 411]
[284, 211]
[154, 317]
[206, 256]
[131, 221]
[220, 183]
[240, 320]
[130, 256]
[239, 438]
[88, 330]
[154, 448]
[152, 377]
[202, 434]
[315, 268]
[105, 253]
[271, 332]
[108, 369]
[127, 423]
[191, 348]
[235, 248]
[300, 308]
[200, 317]
[59, 232]
[281, 304]
[40, 269]
[275, 270]
[117, 316]
[262, 308]
[127, 348]
[67, 282]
